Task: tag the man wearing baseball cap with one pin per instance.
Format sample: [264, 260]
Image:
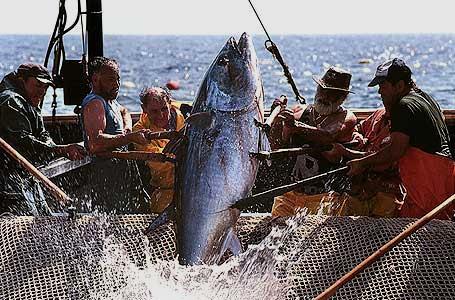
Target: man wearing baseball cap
[22, 126]
[419, 142]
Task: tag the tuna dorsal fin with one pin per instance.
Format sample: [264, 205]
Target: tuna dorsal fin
[166, 216]
[201, 120]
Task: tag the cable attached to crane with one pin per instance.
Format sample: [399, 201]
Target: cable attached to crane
[272, 48]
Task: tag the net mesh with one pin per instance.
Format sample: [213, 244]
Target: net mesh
[58, 258]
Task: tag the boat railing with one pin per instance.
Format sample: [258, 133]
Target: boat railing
[361, 114]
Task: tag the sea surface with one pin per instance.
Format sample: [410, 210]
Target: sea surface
[154, 60]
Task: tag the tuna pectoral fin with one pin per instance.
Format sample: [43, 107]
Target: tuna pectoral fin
[201, 120]
[167, 215]
[175, 144]
[231, 243]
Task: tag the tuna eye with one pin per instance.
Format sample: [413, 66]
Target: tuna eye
[223, 61]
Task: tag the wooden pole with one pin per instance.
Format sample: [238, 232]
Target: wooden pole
[61, 197]
[385, 248]
[137, 155]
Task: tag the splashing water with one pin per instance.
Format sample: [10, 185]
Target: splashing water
[258, 273]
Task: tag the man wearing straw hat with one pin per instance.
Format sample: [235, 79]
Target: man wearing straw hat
[323, 123]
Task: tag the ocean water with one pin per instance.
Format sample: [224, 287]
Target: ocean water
[153, 60]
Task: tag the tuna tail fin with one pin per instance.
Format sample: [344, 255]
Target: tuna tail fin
[167, 215]
[231, 243]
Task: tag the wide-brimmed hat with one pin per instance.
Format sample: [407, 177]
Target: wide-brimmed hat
[35, 70]
[393, 70]
[335, 79]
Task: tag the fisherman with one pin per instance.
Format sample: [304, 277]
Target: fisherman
[159, 113]
[419, 142]
[378, 193]
[22, 126]
[107, 126]
[323, 123]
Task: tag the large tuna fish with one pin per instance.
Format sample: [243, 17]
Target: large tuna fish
[216, 169]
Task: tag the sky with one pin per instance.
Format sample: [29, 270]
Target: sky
[236, 16]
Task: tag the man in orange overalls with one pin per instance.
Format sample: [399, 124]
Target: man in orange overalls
[159, 114]
[419, 142]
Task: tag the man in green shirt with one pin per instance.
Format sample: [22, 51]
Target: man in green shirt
[419, 142]
[22, 126]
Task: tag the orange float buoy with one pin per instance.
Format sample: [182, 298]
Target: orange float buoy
[173, 85]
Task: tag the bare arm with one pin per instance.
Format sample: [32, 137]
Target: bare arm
[72, 151]
[339, 151]
[390, 153]
[326, 136]
[95, 124]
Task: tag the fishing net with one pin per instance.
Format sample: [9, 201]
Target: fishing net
[59, 258]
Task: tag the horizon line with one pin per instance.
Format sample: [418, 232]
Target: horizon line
[261, 34]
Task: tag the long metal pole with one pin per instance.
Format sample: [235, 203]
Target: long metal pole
[246, 202]
[384, 249]
[63, 199]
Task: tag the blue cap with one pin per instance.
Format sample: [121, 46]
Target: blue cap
[392, 70]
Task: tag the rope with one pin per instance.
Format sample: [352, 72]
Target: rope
[272, 48]
[260, 21]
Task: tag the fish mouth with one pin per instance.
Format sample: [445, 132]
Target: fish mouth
[243, 46]
[233, 76]
[244, 50]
